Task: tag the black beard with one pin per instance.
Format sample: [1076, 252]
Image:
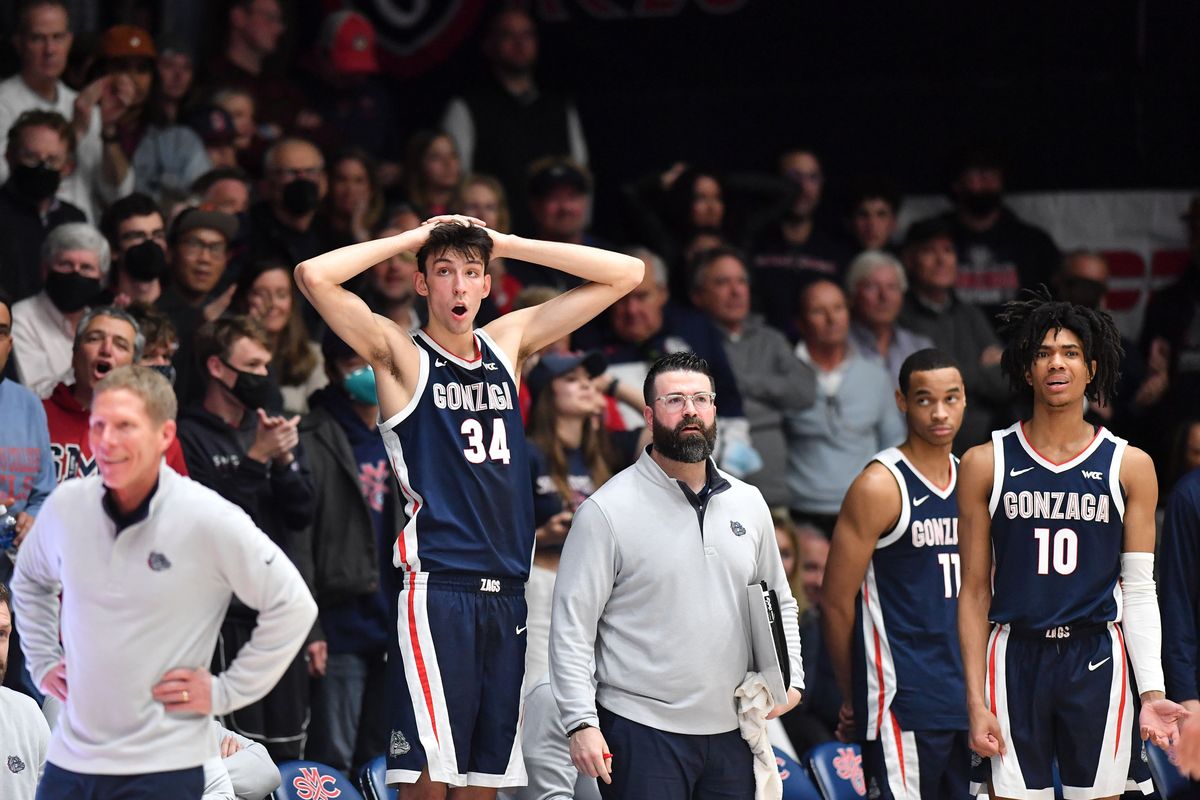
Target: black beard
[686, 449]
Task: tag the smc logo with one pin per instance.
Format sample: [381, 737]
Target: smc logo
[310, 784]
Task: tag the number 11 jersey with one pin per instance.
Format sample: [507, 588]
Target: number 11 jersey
[458, 451]
[1057, 533]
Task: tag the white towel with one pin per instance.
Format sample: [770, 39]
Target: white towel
[754, 703]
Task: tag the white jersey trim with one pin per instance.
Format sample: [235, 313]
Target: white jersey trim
[997, 469]
[888, 459]
[501, 356]
[880, 666]
[1101, 434]
[1114, 476]
[475, 363]
[418, 391]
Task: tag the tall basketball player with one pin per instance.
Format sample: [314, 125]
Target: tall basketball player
[450, 421]
[890, 597]
[1058, 604]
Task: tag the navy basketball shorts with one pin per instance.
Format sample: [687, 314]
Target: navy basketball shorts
[914, 764]
[454, 681]
[1064, 696]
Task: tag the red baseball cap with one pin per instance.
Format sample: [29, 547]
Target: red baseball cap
[348, 40]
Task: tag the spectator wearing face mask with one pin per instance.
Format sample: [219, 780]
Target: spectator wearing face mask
[236, 445]
[345, 554]
[1082, 278]
[198, 258]
[136, 232]
[998, 252]
[161, 339]
[40, 150]
[75, 261]
[267, 294]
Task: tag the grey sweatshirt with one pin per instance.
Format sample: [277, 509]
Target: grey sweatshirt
[141, 602]
[653, 588]
[24, 735]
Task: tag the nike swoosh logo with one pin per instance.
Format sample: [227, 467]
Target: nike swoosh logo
[1012, 473]
[272, 558]
[521, 629]
[920, 500]
[1093, 667]
[437, 362]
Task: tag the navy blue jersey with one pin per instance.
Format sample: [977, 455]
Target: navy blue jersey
[458, 449]
[907, 616]
[1057, 533]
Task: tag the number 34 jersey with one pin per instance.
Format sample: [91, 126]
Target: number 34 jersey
[458, 450]
[907, 667]
[1057, 533]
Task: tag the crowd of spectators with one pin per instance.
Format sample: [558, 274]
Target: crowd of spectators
[153, 214]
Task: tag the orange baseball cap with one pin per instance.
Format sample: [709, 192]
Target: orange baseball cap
[127, 41]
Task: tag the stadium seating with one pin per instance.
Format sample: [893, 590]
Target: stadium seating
[372, 779]
[1167, 780]
[796, 783]
[308, 780]
[837, 771]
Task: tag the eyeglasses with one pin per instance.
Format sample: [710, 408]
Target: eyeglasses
[55, 163]
[194, 246]
[701, 401]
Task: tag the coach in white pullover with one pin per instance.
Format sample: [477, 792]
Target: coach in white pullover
[147, 562]
[651, 589]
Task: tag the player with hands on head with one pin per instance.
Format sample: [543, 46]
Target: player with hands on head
[890, 597]
[1058, 606]
[447, 396]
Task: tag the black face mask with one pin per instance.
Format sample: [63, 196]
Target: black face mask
[36, 183]
[70, 291]
[301, 196]
[144, 262]
[166, 370]
[255, 391]
[980, 204]
[1083, 291]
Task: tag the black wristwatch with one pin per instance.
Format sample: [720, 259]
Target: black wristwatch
[578, 728]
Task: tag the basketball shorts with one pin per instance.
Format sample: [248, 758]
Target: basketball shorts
[904, 764]
[454, 681]
[1063, 698]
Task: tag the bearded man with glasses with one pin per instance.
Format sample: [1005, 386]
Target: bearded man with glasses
[651, 600]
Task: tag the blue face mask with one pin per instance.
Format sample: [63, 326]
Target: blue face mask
[360, 385]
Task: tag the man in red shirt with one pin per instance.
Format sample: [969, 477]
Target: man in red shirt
[105, 339]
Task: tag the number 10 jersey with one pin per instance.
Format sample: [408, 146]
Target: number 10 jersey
[1057, 533]
[458, 451]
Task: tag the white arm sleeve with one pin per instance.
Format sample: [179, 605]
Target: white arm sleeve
[1141, 622]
